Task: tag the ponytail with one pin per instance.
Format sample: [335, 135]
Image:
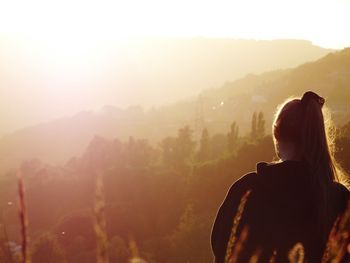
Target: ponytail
[316, 153]
[301, 122]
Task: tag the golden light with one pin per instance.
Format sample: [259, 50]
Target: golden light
[62, 52]
[323, 22]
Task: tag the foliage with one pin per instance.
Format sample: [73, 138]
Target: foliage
[232, 137]
[164, 198]
[204, 146]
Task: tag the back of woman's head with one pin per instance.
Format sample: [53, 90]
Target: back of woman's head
[300, 122]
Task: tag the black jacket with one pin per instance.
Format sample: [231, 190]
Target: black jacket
[280, 212]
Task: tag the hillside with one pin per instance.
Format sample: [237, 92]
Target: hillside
[236, 101]
[215, 109]
[147, 72]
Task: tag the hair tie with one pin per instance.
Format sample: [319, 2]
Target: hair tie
[312, 96]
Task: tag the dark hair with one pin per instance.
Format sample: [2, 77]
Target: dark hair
[301, 122]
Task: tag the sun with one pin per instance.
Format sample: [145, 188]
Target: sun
[65, 52]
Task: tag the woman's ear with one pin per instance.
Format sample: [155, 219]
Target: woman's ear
[287, 151]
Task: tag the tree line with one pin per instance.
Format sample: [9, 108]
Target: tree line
[161, 199]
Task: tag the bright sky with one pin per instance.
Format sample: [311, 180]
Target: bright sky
[325, 22]
[74, 34]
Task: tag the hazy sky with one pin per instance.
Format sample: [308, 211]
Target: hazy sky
[325, 22]
[74, 35]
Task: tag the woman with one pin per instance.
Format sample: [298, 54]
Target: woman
[294, 201]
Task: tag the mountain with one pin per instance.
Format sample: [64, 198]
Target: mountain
[329, 76]
[215, 109]
[147, 72]
[184, 67]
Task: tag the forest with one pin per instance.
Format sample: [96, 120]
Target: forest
[155, 202]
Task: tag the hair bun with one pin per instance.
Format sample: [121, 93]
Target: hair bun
[312, 96]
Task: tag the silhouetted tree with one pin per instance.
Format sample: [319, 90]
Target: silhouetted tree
[260, 127]
[184, 148]
[98, 154]
[232, 137]
[177, 152]
[167, 146]
[185, 142]
[253, 133]
[203, 153]
[139, 153]
[218, 145]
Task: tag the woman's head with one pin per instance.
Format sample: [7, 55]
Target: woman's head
[287, 130]
[300, 134]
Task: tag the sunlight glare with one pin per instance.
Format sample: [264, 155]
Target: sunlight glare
[322, 22]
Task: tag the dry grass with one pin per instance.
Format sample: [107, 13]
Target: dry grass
[23, 221]
[100, 222]
[135, 257]
[297, 254]
[234, 246]
[338, 241]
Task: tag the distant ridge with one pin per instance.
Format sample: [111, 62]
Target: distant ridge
[236, 101]
[148, 72]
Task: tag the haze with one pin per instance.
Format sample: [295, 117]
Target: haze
[58, 58]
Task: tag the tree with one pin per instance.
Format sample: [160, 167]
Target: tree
[189, 238]
[185, 143]
[260, 129]
[178, 152]
[139, 153]
[232, 137]
[98, 154]
[167, 146]
[203, 153]
[253, 134]
[218, 145]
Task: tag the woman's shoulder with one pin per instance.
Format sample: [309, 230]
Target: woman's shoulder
[249, 179]
[246, 182]
[267, 174]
